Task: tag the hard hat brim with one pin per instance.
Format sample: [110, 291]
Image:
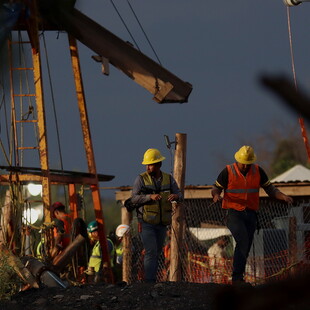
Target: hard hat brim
[244, 162]
[153, 161]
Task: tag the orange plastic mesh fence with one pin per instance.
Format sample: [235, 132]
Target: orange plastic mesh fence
[281, 244]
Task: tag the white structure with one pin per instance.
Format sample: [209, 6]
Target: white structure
[204, 234]
[296, 173]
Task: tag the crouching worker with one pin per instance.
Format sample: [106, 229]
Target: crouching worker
[95, 265]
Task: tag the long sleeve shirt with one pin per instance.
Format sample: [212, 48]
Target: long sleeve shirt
[141, 198]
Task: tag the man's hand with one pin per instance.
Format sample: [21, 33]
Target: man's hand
[216, 194]
[155, 197]
[173, 197]
[288, 199]
[281, 196]
[217, 197]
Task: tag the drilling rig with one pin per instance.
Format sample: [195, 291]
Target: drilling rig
[24, 21]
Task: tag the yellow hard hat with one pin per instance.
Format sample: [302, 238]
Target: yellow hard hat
[245, 155]
[152, 156]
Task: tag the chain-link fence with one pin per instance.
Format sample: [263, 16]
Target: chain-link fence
[281, 244]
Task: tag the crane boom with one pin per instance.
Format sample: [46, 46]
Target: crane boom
[165, 86]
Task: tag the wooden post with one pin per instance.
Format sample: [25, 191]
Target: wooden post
[126, 217]
[127, 258]
[177, 226]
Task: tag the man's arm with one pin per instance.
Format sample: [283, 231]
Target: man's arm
[137, 196]
[216, 194]
[176, 194]
[219, 185]
[271, 190]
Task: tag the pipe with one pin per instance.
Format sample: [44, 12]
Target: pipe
[42, 274]
[62, 260]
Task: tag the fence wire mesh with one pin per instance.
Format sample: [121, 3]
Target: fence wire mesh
[281, 244]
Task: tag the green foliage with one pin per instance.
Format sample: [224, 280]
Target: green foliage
[280, 148]
[286, 155]
[111, 212]
[9, 281]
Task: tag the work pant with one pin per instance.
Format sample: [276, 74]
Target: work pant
[153, 238]
[242, 225]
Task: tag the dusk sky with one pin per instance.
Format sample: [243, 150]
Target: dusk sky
[220, 47]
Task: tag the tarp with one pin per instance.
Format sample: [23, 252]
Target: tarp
[296, 173]
[203, 234]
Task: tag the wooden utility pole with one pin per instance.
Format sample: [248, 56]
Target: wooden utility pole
[177, 226]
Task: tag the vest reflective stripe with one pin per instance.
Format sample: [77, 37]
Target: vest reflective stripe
[157, 212]
[242, 191]
[95, 258]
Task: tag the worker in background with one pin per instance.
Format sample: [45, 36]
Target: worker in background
[62, 229]
[95, 266]
[155, 191]
[217, 260]
[241, 182]
[120, 231]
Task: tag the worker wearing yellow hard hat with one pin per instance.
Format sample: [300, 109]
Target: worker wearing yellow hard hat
[245, 155]
[154, 191]
[152, 156]
[240, 183]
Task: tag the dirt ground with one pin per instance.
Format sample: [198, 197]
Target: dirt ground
[287, 295]
[138, 296]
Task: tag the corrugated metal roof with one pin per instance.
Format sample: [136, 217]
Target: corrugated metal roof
[297, 173]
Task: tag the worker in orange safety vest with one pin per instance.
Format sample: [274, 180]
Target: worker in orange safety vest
[241, 182]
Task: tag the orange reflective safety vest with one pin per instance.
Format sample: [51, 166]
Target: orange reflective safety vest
[242, 191]
[66, 235]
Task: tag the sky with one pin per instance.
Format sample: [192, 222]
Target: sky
[221, 47]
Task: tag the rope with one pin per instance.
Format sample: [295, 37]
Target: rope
[301, 120]
[133, 12]
[291, 46]
[54, 108]
[125, 24]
